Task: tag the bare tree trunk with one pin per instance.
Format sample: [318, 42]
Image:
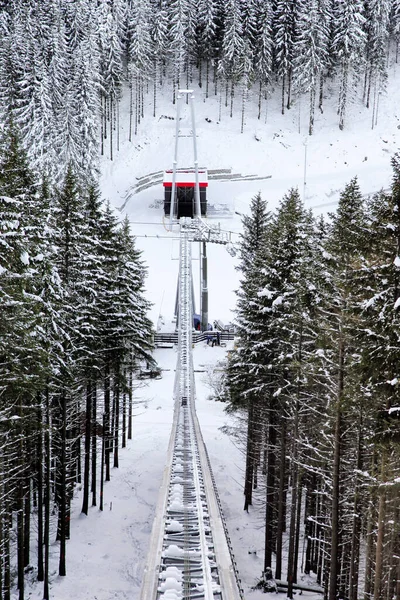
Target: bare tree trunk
[124, 418]
[298, 523]
[136, 105]
[381, 530]
[343, 96]
[244, 97]
[106, 430]
[369, 554]
[101, 127]
[248, 479]
[62, 510]
[46, 537]
[259, 100]
[39, 470]
[88, 428]
[94, 442]
[130, 405]
[334, 567]
[355, 534]
[289, 93]
[321, 94]
[117, 121]
[270, 488]
[111, 127]
[393, 588]
[312, 111]
[281, 503]
[7, 565]
[155, 89]
[27, 520]
[116, 417]
[103, 460]
[131, 108]
[291, 575]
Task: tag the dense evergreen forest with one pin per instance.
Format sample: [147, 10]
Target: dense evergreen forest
[65, 63]
[315, 367]
[73, 330]
[316, 371]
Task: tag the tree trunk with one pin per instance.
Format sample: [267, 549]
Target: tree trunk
[310, 509]
[321, 94]
[20, 539]
[281, 503]
[248, 479]
[343, 96]
[244, 94]
[106, 431]
[155, 89]
[334, 567]
[289, 92]
[111, 128]
[131, 109]
[88, 427]
[103, 459]
[116, 417]
[124, 418]
[270, 489]
[94, 442]
[21, 508]
[62, 510]
[39, 470]
[381, 530]
[312, 111]
[46, 536]
[130, 391]
[27, 520]
[291, 576]
[355, 534]
[7, 565]
[298, 523]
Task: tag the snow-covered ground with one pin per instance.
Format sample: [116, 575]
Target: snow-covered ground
[107, 550]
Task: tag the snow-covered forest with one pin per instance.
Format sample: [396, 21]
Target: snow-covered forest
[73, 322]
[314, 372]
[64, 64]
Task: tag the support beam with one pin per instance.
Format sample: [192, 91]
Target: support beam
[204, 289]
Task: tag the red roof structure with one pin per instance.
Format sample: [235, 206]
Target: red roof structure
[186, 178]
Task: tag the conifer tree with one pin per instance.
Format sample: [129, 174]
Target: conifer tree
[348, 47]
[263, 50]
[232, 65]
[246, 363]
[377, 29]
[379, 360]
[284, 37]
[311, 48]
[345, 245]
[140, 56]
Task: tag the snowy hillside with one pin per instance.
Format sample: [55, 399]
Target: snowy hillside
[276, 147]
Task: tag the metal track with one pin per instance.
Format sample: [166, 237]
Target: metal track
[189, 557]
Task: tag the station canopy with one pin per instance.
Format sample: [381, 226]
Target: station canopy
[186, 178]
